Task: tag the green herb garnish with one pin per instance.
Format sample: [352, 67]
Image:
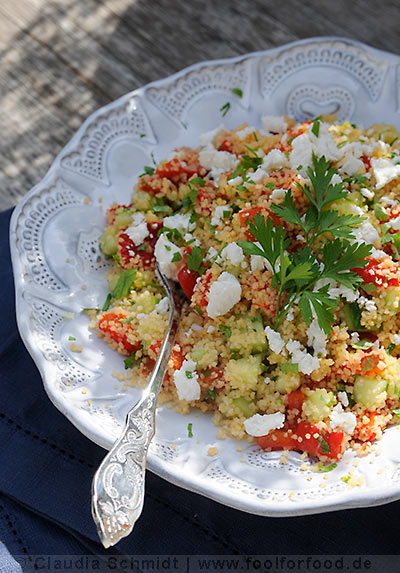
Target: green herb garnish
[324, 469]
[237, 91]
[131, 361]
[107, 302]
[325, 449]
[148, 171]
[71, 338]
[124, 283]
[225, 329]
[189, 429]
[225, 108]
[195, 259]
[390, 348]
[211, 393]
[363, 344]
[289, 368]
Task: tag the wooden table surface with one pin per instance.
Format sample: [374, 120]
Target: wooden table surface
[63, 59]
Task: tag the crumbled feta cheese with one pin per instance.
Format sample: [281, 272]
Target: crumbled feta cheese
[225, 292]
[389, 202]
[217, 162]
[186, 382]
[343, 398]
[367, 303]
[257, 175]
[300, 356]
[366, 233]
[233, 254]
[378, 254]
[275, 341]
[384, 170]
[235, 181]
[163, 306]
[210, 329]
[367, 193]
[218, 215]
[278, 194]
[164, 252]
[346, 292]
[395, 338]
[336, 179]
[257, 263]
[301, 154]
[346, 421]
[273, 124]
[396, 224]
[316, 338]
[275, 159]
[193, 240]
[208, 137]
[211, 253]
[355, 337]
[260, 425]
[290, 315]
[137, 230]
[180, 222]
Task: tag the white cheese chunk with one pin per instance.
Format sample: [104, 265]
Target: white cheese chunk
[366, 233]
[217, 162]
[164, 252]
[137, 231]
[233, 254]
[316, 338]
[273, 124]
[261, 425]
[300, 356]
[346, 421]
[275, 159]
[343, 398]
[225, 292]
[186, 382]
[218, 215]
[278, 194]
[180, 222]
[235, 181]
[385, 170]
[243, 133]
[162, 307]
[208, 137]
[275, 341]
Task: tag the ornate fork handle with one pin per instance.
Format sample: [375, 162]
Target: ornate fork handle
[118, 485]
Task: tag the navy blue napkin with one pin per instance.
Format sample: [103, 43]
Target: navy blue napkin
[46, 468]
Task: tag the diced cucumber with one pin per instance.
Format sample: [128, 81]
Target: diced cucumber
[352, 316]
[122, 220]
[391, 297]
[286, 383]
[318, 404]
[204, 354]
[370, 392]
[247, 334]
[244, 404]
[145, 303]
[141, 200]
[108, 242]
[244, 372]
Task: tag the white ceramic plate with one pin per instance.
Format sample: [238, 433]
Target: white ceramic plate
[59, 270]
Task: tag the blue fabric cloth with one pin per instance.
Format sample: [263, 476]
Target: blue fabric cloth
[47, 467]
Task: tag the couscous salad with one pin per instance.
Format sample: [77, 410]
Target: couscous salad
[285, 241]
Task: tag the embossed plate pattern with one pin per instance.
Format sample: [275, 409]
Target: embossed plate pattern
[59, 269]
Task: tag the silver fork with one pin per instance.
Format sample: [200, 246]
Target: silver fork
[118, 484]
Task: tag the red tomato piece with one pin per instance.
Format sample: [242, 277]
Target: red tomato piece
[247, 215]
[295, 400]
[142, 255]
[175, 169]
[278, 440]
[112, 327]
[377, 274]
[226, 145]
[187, 279]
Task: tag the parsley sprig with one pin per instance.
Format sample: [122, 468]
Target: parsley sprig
[295, 277]
[319, 219]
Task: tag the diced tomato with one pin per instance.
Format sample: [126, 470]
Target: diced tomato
[176, 170]
[187, 279]
[295, 400]
[367, 162]
[112, 327]
[143, 255]
[278, 440]
[176, 359]
[310, 439]
[378, 274]
[201, 290]
[226, 145]
[247, 215]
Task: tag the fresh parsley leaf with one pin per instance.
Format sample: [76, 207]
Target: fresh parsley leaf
[71, 338]
[325, 449]
[247, 162]
[211, 393]
[124, 283]
[176, 257]
[195, 259]
[390, 348]
[198, 309]
[188, 374]
[107, 302]
[131, 361]
[340, 257]
[225, 329]
[188, 201]
[324, 469]
[237, 91]
[197, 181]
[323, 306]
[225, 108]
[346, 479]
[380, 213]
[148, 171]
[189, 429]
[315, 128]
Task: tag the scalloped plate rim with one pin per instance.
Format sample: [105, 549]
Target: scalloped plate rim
[349, 499]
